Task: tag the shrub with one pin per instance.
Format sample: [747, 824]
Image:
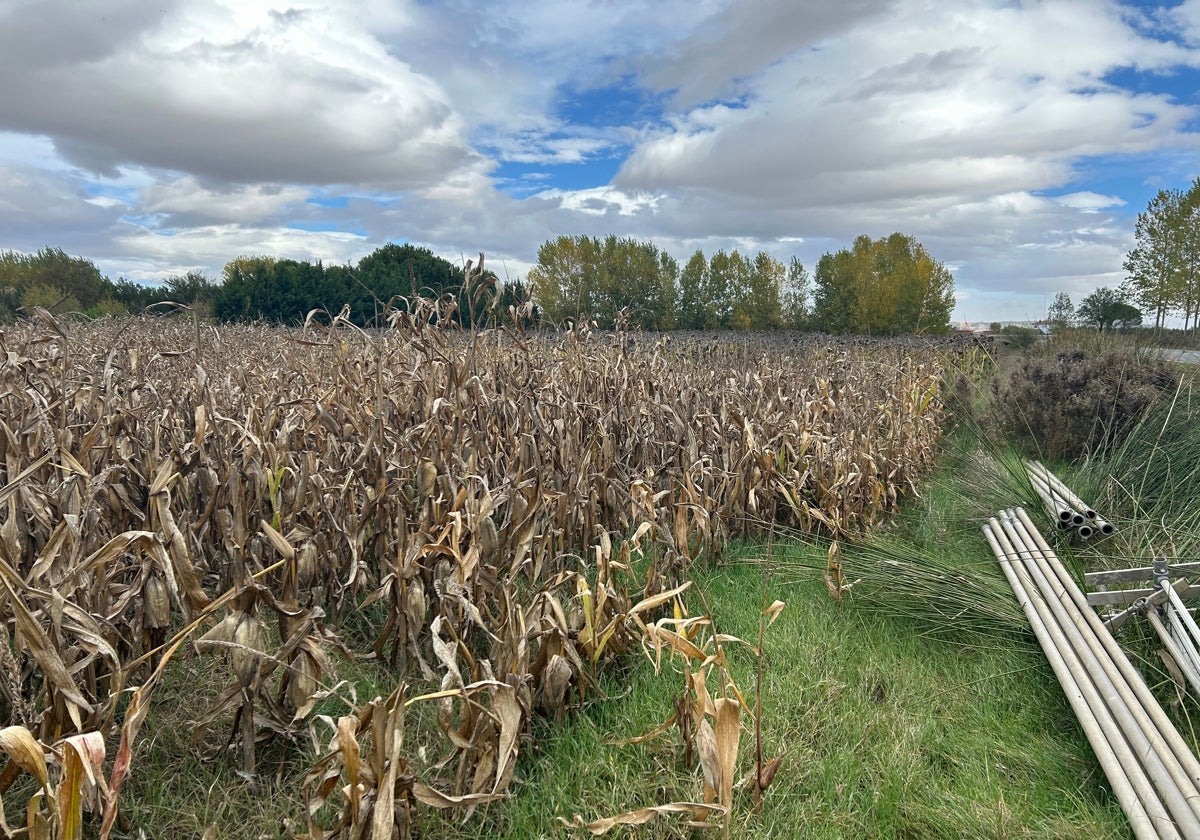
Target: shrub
[50, 297]
[1078, 402]
[1021, 337]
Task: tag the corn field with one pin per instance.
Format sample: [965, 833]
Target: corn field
[510, 511]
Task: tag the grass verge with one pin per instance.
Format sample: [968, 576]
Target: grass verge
[886, 733]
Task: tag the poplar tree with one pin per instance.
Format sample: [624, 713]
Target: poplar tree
[883, 287]
[1154, 278]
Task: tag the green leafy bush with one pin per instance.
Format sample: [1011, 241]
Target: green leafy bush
[1021, 337]
[1077, 402]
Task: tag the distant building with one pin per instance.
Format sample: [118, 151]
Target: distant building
[985, 328]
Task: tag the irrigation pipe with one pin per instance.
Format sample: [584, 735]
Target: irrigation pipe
[1055, 507]
[1132, 681]
[1136, 795]
[1184, 754]
[1055, 483]
[1063, 490]
[1181, 609]
[1177, 791]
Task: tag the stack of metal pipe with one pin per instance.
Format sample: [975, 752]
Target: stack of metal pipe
[1153, 773]
[1063, 506]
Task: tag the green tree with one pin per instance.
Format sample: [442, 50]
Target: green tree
[610, 281]
[48, 297]
[668, 291]
[134, 297]
[835, 293]
[722, 287]
[285, 291]
[1127, 316]
[514, 306]
[1107, 308]
[246, 282]
[564, 280]
[408, 272]
[10, 301]
[239, 266]
[1189, 257]
[1154, 275]
[77, 281]
[794, 296]
[757, 292]
[189, 288]
[884, 286]
[636, 284]
[1061, 312]
[692, 310]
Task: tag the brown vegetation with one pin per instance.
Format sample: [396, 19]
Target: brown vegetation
[513, 511]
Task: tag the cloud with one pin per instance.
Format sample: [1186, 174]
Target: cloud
[41, 209]
[160, 138]
[207, 248]
[187, 202]
[720, 57]
[861, 116]
[232, 92]
[1089, 201]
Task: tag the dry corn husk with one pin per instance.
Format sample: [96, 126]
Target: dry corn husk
[156, 603]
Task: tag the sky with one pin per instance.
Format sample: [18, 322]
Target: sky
[1017, 141]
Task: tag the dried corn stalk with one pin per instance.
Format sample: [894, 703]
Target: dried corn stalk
[491, 495]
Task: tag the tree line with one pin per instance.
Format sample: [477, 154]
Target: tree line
[265, 288]
[884, 287]
[1105, 309]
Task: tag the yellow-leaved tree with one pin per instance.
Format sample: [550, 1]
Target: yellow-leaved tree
[882, 286]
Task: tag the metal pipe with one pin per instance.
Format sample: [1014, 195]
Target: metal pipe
[1146, 813]
[1177, 603]
[1072, 500]
[1064, 589]
[1146, 699]
[1177, 791]
[1055, 506]
[1063, 490]
[1066, 511]
[1136, 795]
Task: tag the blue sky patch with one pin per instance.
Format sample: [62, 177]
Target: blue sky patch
[1134, 178]
[99, 189]
[335, 202]
[624, 103]
[522, 179]
[1182, 84]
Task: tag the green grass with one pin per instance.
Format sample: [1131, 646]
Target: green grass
[885, 732]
